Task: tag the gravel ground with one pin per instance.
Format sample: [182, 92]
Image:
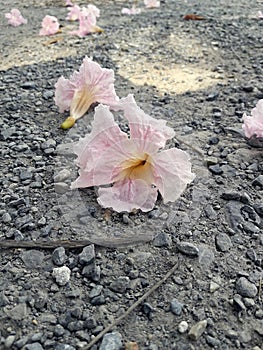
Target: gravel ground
[201, 76]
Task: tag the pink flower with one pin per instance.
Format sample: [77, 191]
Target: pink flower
[151, 3]
[253, 125]
[131, 169]
[132, 11]
[74, 13]
[68, 3]
[260, 14]
[50, 25]
[87, 21]
[15, 18]
[91, 84]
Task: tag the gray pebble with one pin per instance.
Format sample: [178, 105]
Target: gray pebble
[258, 181]
[34, 346]
[95, 291]
[246, 288]
[9, 341]
[6, 218]
[64, 347]
[61, 187]
[62, 175]
[213, 342]
[197, 330]
[87, 256]
[120, 285]
[223, 242]
[162, 239]
[33, 258]
[92, 271]
[59, 256]
[111, 341]
[40, 300]
[176, 307]
[187, 248]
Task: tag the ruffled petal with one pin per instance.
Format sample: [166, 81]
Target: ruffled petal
[172, 172]
[143, 127]
[253, 125]
[64, 92]
[128, 195]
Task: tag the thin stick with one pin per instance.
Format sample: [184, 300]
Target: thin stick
[132, 307]
[74, 244]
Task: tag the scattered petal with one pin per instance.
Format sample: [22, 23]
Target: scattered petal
[253, 125]
[91, 84]
[151, 4]
[87, 21]
[15, 18]
[74, 13]
[133, 11]
[50, 25]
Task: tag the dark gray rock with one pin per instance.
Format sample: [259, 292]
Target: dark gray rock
[216, 169]
[59, 256]
[64, 347]
[245, 288]
[111, 341]
[120, 285]
[223, 242]
[187, 248]
[258, 181]
[87, 256]
[162, 239]
[176, 307]
[32, 259]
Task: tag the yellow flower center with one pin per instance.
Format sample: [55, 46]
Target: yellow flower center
[137, 168]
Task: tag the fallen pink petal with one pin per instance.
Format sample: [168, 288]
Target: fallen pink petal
[50, 25]
[151, 3]
[253, 125]
[74, 13]
[15, 18]
[88, 21]
[132, 11]
[131, 169]
[90, 84]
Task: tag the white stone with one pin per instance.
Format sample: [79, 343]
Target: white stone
[182, 327]
[61, 275]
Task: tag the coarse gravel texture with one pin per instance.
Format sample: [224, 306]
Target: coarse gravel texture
[201, 76]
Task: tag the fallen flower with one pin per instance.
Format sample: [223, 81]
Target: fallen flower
[253, 125]
[151, 3]
[132, 11]
[133, 167]
[50, 25]
[260, 14]
[87, 21]
[91, 84]
[193, 17]
[74, 13]
[15, 18]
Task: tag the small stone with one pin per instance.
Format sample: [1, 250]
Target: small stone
[215, 169]
[6, 218]
[92, 271]
[223, 242]
[87, 256]
[61, 187]
[40, 300]
[182, 327]
[111, 341]
[246, 288]
[64, 347]
[34, 346]
[187, 248]
[231, 196]
[61, 275]
[249, 302]
[162, 239]
[33, 258]
[18, 312]
[197, 330]
[9, 341]
[99, 300]
[120, 285]
[59, 256]
[213, 342]
[238, 303]
[258, 181]
[62, 175]
[176, 307]
[95, 291]
[213, 287]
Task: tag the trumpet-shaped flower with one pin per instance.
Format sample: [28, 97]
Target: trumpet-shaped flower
[253, 125]
[74, 13]
[15, 18]
[87, 21]
[132, 167]
[50, 25]
[151, 3]
[91, 84]
[133, 11]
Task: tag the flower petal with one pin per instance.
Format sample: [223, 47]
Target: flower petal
[253, 125]
[143, 127]
[64, 92]
[172, 170]
[128, 195]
